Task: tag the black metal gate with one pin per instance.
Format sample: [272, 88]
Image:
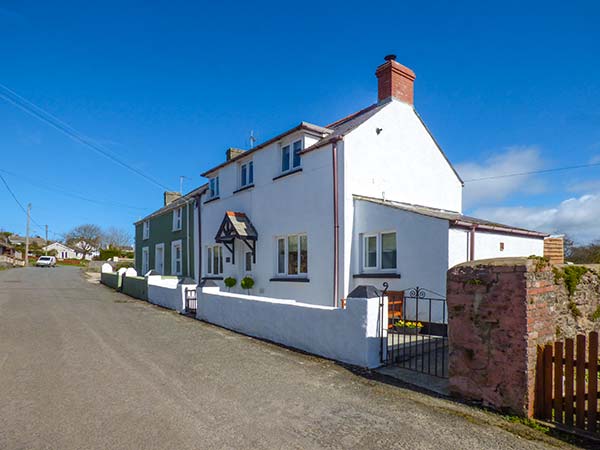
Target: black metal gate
[191, 301]
[415, 336]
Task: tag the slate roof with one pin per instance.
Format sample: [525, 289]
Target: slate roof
[175, 203]
[241, 224]
[455, 218]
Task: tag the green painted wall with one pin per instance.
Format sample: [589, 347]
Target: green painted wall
[161, 231]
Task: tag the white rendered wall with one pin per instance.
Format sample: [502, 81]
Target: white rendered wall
[167, 292]
[487, 245]
[401, 161]
[298, 203]
[422, 251]
[349, 335]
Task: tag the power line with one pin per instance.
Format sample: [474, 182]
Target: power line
[17, 201]
[43, 115]
[533, 172]
[70, 193]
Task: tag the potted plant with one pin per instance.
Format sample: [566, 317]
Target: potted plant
[247, 283]
[408, 326]
[230, 282]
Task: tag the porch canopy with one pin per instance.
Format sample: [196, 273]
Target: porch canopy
[237, 225]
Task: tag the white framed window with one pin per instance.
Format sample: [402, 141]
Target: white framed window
[290, 156]
[292, 255]
[146, 229]
[176, 258]
[214, 260]
[145, 260]
[379, 251]
[177, 215]
[247, 174]
[159, 258]
[213, 187]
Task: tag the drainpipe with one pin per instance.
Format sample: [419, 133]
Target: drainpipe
[472, 249]
[187, 212]
[199, 206]
[336, 223]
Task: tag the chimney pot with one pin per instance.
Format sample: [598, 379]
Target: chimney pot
[170, 197]
[395, 80]
[233, 152]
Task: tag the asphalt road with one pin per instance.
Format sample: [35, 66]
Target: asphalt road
[84, 367]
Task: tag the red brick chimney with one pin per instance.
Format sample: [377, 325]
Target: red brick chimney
[395, 80]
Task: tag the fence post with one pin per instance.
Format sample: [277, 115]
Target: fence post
[569, 358]
[593, 381]
[558, 382]
[580, 383]
[548, 381]
[538, 405]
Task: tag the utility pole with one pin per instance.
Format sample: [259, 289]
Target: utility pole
[46, 252]
[27, 235]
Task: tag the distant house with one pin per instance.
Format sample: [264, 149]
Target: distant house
[65, 252]
[17, 240]
[164, 240]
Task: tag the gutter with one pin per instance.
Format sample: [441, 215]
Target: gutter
[505, 230]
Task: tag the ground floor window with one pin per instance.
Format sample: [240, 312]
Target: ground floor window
[379, 251]
[145, 260]
[292, 255]
[214, 260]
[176, 258]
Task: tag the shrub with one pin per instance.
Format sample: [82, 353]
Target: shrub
[230, 282]
[247, 283]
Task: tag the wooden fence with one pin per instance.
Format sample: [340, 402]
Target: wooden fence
[567, 383]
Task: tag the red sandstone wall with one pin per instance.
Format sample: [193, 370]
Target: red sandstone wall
[497, 313]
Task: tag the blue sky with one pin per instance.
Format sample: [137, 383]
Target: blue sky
[167, 87]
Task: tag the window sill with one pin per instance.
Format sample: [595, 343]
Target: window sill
[289, 172]
[243, 188]
[212, 199]
[212, 278]
[176, 229]
[291, 279]
[377, 275]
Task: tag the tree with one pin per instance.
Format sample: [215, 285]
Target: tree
[117, 238]
[85, 238]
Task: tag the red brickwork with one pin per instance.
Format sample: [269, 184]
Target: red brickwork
[497, 313]
[395, 80]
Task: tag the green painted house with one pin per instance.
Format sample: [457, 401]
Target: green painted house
[164, 240]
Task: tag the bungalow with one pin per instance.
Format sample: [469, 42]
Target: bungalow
[318, 210]
[164, 239]
[63, 251]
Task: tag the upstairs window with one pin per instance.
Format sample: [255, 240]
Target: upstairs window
[146, 230]
[379, 251]
[247, 174]
[292, 255]
[290, 156]
[177, 213]
[213, 187]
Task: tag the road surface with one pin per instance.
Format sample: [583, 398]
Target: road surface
[84, 367]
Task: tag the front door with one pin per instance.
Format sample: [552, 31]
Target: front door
[160, 258]
[395, 306]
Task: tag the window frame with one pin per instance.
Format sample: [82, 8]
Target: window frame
[248, 166]
[286, 261]
[213, 187]
[174, 245]
[379, 253]
[292, 153]
[177, 219]
[146, 229]
[161, 245]
[146, 260]
[210, 255]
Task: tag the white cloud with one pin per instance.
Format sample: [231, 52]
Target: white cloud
[577, 217]
[512, 160]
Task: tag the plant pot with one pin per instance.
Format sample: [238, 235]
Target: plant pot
[406, 330]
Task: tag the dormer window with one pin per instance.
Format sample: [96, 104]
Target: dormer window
[290, 156]
[247, 174]
[213, 187]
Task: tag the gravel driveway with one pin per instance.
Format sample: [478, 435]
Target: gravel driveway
[84, 367]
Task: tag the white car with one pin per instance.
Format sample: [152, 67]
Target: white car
[46, 261]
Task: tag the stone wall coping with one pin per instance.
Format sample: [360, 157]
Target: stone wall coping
[500, 262]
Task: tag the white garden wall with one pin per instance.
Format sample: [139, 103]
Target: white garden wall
[349, 335]
[167, 292]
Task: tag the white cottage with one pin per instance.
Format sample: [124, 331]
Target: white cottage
[316, 211]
